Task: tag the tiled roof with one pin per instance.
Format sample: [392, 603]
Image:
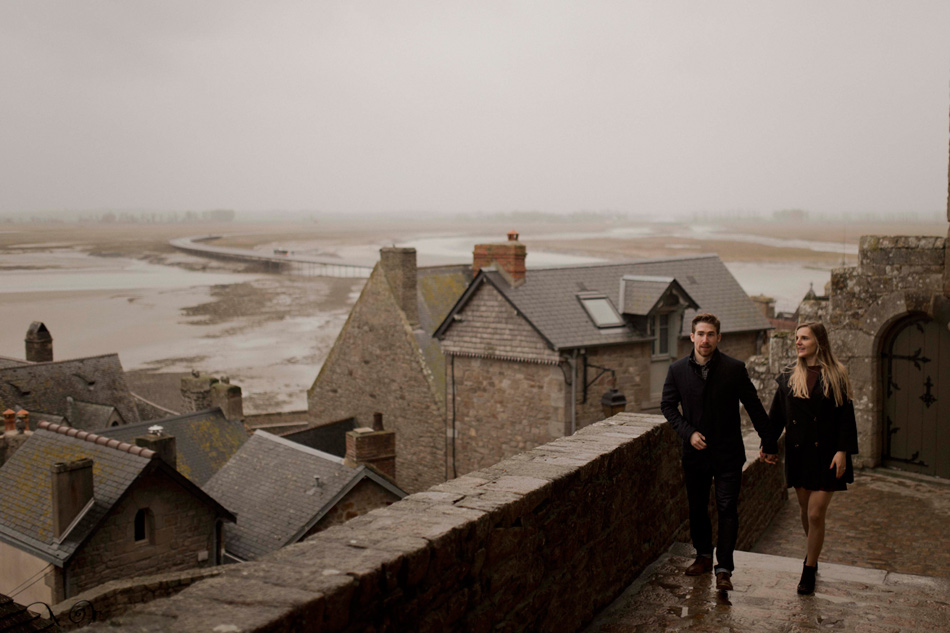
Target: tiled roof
[26, 516]
[548, 298]
[204, 441]
[14, 618]
[45, 386]
[270, 485]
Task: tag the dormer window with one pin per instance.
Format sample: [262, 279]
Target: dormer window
[601, 311]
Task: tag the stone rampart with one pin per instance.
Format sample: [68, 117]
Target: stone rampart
[538, 542]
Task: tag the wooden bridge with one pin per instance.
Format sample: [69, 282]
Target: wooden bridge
[279, 260]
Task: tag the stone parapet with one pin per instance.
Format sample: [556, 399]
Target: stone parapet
[900, 254]
[538, 542]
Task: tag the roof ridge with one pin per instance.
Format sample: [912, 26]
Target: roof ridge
[628, 262]
[72, 360]
[101, 440]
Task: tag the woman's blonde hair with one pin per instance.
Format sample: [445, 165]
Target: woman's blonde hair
[834, 375]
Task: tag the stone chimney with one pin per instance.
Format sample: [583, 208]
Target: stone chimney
[39, 343]
[374, 447]
[508, 257]
[71, 492]
[22, 421]
[196, 391]
[229, 399]
[766, 305]
[399, 266]
[164, 445]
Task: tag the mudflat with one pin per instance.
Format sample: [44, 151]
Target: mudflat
[122, 288]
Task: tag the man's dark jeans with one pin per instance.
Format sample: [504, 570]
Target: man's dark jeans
[699, 478]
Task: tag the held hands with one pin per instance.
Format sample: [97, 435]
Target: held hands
[840, 462]
[767, 458]
[698, 440]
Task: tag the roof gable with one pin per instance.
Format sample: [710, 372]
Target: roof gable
[548, 298]
[96, 380]
[271, 485]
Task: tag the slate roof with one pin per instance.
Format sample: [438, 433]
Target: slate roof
[204, 441]
[45, 386]
[87, 415]
[26, 516]
[6, 361]
[14, 618]
[641, 295]
[269, 484]
[548, 298]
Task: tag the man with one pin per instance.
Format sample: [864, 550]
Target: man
[709, 386]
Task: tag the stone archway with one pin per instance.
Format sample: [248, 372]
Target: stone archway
[915, 384]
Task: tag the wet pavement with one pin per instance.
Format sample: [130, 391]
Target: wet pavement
[886, 520]
[885, 568]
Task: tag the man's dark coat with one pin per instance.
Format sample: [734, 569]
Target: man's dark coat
[711, 407]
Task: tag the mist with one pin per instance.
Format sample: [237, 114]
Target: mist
[646, 108]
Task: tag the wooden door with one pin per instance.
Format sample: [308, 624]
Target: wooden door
[916, 368]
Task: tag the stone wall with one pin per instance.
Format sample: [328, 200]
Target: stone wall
[366, 496]
[741, 345]
[502, 408]
[183, 534]
[114, 598]
[896, 276]
[375, 366]
[538, 542]
[631, 363]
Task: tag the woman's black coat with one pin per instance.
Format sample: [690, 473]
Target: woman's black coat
[815, 429]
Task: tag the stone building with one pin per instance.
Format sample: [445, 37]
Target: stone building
[283, 492]
[86, 393]
[78, 509]
[532, 355]
[385, 360]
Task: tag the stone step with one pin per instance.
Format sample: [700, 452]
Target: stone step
[847, 598]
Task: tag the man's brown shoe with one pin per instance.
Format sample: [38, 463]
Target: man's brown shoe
[723, 582]
[702, 565]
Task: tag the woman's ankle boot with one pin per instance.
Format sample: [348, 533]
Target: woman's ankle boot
[806, 586]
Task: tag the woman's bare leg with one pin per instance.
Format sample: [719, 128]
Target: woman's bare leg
[818, 502]
[803, 495]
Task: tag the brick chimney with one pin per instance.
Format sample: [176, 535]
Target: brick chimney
[374, 447]
[399, 266]
[39, 343]
[508, 257]
[71, 492]
[165, 445]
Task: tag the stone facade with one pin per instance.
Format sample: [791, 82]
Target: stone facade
[631, 364]
[501, 408]
[366, 496]
[182, 537]
[538, 542]
[376, 366]
[895, 277]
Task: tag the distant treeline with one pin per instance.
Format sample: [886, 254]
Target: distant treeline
[125, 217]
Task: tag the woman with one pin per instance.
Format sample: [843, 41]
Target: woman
[814, 405]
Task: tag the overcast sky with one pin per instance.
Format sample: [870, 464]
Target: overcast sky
[361, 106]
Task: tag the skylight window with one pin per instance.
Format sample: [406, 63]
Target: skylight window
[601, 311]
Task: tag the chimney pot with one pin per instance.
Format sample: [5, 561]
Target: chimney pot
[9, 421]
[377, 421]
[22, 420]
[512, 236]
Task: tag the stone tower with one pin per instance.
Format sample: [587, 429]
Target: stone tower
[39, 343]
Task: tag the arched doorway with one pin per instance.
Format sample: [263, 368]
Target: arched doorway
[915, 360]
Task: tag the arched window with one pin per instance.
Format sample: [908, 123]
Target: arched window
[144, 526]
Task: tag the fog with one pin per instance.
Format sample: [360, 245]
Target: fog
[669, 108]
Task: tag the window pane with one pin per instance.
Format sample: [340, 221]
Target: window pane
[601, 312]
